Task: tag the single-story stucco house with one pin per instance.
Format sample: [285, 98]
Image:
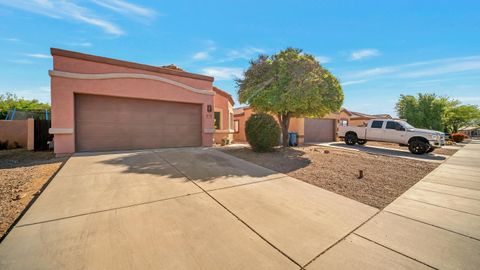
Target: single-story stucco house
[102, 104]
[309, 130]
[359, 119]
[470, 131]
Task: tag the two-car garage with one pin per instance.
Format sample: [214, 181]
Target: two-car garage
[117, 123]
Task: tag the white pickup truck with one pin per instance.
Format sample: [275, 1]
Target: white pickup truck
[419, 141]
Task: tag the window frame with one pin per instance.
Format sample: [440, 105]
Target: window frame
[236, 126]
[220, 120]
[374, 121]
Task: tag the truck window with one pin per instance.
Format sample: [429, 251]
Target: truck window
[377, 124]
[392, 125]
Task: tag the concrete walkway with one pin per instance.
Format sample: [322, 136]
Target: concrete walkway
[177, 209]
[434, 225]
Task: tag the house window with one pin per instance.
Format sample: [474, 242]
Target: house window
[236, 126]
[231, 121]
[343, 123]
[217, 118]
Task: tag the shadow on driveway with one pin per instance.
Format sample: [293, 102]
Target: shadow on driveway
[387, 151]
[198, 164]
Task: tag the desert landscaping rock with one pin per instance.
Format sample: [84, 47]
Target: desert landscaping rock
[385, 178]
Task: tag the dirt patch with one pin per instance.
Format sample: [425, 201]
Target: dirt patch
[439, 151]
[385, 178]
[22, 175]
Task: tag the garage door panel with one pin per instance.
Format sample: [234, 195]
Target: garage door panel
[113, 123]
[319, 130]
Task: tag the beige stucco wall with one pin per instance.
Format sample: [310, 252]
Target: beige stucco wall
[63, 90]
[19, 131]
[296, 124]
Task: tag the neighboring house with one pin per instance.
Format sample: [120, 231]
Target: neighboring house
[470, 131]
[309, 130]
[223, 116]
[360, 119]
[101, 103]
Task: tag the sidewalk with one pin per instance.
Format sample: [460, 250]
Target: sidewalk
[434, 225]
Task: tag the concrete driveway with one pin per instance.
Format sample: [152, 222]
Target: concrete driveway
[401, 153]
[194, 208]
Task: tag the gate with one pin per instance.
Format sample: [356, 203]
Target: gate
[41, 135]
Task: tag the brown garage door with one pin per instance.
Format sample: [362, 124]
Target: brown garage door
[319, 130]
[113, 123]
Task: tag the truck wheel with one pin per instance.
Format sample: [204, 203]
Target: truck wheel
[362, 142]
[351, 139]
[418, 147]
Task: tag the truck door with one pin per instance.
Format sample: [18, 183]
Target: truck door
[375, 131]
[394, 132]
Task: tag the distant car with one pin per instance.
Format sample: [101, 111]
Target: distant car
[419, 141]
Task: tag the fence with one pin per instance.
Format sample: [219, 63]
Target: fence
[31, 134]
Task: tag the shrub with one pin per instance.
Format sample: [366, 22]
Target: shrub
[262, 132]
[458, 137]
[3, 145]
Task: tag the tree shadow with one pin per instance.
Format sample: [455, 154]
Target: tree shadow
[198, 164]
[283, 159]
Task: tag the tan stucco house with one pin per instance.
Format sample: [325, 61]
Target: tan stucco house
[309, 130]
[360, 119]
[100, 103]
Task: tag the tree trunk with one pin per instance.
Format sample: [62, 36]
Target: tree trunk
[284, 124]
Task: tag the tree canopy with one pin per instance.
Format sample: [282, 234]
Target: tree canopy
[289, 84]
[435, 112]
[9, 101]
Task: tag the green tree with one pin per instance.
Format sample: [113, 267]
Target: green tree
[289, 84]
[462, 115]
[9, 101]
[426, 110]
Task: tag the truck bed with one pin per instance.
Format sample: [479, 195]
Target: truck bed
[361, 131]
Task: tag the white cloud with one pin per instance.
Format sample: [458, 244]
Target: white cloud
[38, 55]
[223, 73]
[323, 59]
[80, 44]
[468, 99]
[353, 82]
[364, 53]
[205, 54]
[244, 53]
[446, 68]
[421, 69]
[64, 10]
[126, 8]
[200, 56]
[11, 39]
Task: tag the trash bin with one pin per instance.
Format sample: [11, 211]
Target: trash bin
[292, 139]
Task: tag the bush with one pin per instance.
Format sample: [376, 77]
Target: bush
[3, 145]
[262, 132]
[458, 137]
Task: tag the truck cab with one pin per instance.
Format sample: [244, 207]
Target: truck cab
[419, 141]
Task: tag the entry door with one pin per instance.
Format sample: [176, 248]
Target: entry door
[117, 123]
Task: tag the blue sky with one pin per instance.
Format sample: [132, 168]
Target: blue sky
[377, 49]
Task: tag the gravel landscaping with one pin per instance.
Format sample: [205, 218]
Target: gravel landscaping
[22, 174]
[385, 178]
